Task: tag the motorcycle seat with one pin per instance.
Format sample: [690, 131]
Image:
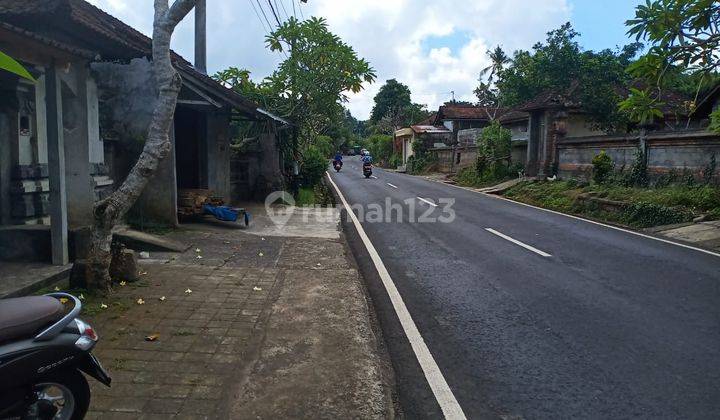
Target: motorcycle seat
[25, 316]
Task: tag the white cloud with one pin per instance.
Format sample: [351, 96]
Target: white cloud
[391, 34]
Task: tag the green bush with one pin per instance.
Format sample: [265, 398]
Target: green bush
[325, 145]
[380, 147]
[638, 176]
[709, 170]
[648, 214]
[313, 167]
[395, 160]
[602, 167]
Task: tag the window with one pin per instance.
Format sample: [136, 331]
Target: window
[25, 126]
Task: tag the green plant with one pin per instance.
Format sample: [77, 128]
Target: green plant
[602, 167]
[8, 63]
[649, 214]
[313, 167]
[709, 170]
[638, 175]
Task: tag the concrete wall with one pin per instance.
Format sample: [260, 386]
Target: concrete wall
[128, 97]
[666, 151]
[447, 158]
[578, 126]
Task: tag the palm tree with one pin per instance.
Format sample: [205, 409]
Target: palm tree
[498, 61]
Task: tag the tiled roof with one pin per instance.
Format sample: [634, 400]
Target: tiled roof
[467, 112]
[464, 112]
[429, 129]
[114, 39]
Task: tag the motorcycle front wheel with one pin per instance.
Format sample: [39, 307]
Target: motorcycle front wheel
[64, 395]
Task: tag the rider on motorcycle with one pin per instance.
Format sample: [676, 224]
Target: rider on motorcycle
[338, 158]
[367, 158]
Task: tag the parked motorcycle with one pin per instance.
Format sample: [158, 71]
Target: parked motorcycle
[43, 351]
[367, 169]
[337, 165]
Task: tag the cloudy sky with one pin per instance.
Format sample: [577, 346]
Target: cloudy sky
[434, 46]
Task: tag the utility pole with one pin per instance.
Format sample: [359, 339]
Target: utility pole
[201, 36]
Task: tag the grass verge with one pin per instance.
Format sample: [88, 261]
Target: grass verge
[639, 207]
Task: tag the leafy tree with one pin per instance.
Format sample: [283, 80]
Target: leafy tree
[110, 210]
[392, 98]
[685, 39]
[313, 81]
[558, 65]
[394, 108]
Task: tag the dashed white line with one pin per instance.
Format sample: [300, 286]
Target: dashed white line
[439, 386]
[516, 242]
[631, 232]
[427, 201]
[393, 186]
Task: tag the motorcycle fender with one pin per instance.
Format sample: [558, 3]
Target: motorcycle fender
[92, 367]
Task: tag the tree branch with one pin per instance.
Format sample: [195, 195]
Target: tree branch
[178, 11]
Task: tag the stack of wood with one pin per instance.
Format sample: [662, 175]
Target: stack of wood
[191, 201]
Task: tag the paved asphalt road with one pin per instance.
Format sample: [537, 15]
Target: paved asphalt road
[610, 325]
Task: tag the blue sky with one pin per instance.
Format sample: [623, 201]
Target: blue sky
[434, 47]
[602, 23]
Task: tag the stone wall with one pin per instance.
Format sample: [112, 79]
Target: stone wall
[678, 151]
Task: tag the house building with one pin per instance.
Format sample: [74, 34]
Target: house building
[69, 138]
[428, 134]
[563, 139]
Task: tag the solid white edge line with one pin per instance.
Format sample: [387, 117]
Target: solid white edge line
[444, 396]
[427, 201]
[516, 242]
[393, 186]
[632, 232]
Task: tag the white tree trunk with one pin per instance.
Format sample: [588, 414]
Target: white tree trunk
[157, 145]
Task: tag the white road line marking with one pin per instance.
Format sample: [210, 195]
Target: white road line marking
[394, 186]
[373, 177]
[443, 394]
[694, 248]
[427, 201]
[516, 242]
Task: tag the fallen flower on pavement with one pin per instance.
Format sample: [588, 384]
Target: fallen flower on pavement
[140, 301]
[199, 257]
[81, 297]
[152, 337]
[260, 254]
[103, 306]
[162, 298]
[197, 249]
[188, 291]
[123, 283]
[57, 289]
[262, 239]
[143, 273]
[257, 289]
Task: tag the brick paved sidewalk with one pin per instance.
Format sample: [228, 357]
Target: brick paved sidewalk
[273, 327]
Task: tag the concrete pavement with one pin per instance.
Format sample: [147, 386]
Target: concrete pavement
[606, 325]
[248, 326]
